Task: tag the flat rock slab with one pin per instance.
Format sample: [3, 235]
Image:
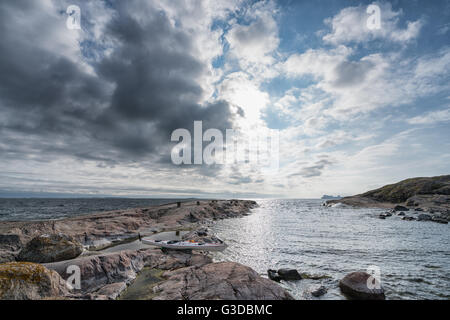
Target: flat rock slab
[50, 248]
[224, 280]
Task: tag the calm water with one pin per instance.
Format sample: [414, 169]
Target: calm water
[414, 257]
[42, 209]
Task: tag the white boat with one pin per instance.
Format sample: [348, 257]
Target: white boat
[186, 245]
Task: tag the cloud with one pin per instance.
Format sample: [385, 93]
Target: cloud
[92, 110]
[146, 81]
[350, 26]
[256, 40]
[444, 29]
[253, 40]
[355, 86]
[314, 170]
[432, 117]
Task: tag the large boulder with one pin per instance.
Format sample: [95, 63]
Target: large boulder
[318, 290]
[29, 281]
[50, 248]
[223, 280]
[355, 286]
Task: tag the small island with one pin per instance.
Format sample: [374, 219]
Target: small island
[328, 197]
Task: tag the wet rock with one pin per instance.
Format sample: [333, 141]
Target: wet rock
[318, 291]
[224, 280]
[400, 208]
[355, 286]
[418, 209]
[30, 281]
[407, 218]
[439, 220]
[289, 274]
[401, 214]
[284, 274]
[424, 217]
[273, 275]
[50, 248]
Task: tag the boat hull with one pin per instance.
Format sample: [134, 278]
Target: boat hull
[186, 245]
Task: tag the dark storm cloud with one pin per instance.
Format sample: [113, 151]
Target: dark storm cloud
[127, 108]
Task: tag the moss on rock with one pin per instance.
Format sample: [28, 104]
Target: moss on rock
[26, 280]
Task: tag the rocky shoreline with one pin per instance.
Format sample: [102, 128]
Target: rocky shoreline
[38, 257]
[428, 198]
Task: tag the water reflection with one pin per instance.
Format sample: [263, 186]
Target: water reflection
[304, 235]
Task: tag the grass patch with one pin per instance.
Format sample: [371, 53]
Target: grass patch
[142, 286]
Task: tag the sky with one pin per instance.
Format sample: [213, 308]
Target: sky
[91, 111]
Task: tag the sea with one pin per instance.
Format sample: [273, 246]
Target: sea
[28, 209]
[410, 258]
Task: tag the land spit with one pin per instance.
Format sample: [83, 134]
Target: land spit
[106, 272]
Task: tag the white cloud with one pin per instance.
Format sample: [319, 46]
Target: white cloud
[350, 25]
[434, 65]
[254, 42]
[375, 81]
[432, 117]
